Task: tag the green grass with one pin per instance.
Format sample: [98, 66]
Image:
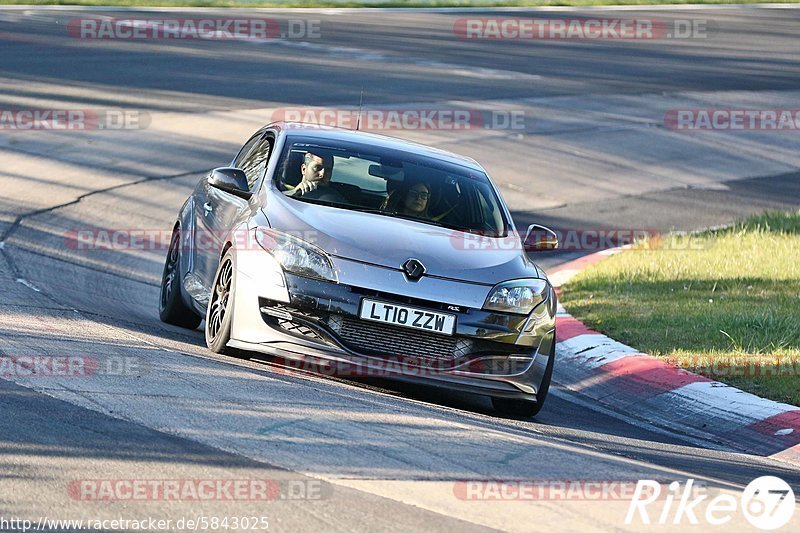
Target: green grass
[370, 3]
[728, 306]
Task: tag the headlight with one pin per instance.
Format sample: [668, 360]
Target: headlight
[295, 255]
[517, 296]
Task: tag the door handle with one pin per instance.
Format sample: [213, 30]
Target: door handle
[207, 207]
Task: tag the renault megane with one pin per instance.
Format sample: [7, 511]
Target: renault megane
[361, 250]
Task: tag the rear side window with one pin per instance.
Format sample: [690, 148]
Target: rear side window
[255, 163]
[237, 163]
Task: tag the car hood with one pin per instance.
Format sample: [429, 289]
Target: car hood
[390, 242]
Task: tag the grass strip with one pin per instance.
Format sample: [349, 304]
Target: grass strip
[725, 304]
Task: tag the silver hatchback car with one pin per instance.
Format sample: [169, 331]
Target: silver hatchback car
[365, 255]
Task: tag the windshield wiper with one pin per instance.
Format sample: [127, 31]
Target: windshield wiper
[383, 212]
[370, 210]
[318, 202]
[395, 214]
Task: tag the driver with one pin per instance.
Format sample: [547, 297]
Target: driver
[316, 176]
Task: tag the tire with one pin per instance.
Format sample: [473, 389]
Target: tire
[524, 408]
[219, 315]
[171, 308]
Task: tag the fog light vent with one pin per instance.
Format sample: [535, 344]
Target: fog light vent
[335, 323]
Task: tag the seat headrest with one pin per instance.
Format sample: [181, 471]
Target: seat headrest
[291, 171]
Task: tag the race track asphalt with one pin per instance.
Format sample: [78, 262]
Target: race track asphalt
[594, 153]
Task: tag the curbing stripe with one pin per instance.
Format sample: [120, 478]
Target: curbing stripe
[581, 342]
[783, 429]
[743, 407]
[568, 327]
[777, 436]
[557, 279]
[645, 376]
[594, 350]
[617, 375]
[589, 363]
[586, 343]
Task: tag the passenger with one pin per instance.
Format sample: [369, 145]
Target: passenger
[411, 199]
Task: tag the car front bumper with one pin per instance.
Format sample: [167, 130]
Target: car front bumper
[315, 325]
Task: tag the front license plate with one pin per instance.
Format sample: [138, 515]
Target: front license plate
[410, 317]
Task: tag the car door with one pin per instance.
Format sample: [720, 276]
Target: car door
[218, 211]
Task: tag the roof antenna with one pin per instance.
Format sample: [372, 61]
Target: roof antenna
[360, 102]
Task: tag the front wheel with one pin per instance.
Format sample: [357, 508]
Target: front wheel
[171, 308]
[219, 315]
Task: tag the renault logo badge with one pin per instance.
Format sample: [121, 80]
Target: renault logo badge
[413, 269]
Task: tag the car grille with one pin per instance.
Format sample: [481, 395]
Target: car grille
[281, 315]
[371, 338]
[368, 337]
[299, 329]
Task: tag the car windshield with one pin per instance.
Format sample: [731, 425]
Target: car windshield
[390, 183]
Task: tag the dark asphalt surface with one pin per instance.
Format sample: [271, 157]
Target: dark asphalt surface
[397, 58]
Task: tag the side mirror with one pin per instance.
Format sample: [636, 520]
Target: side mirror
[230, 180]
[540, 238]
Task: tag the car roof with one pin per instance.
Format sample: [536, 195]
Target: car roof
[320, 132]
